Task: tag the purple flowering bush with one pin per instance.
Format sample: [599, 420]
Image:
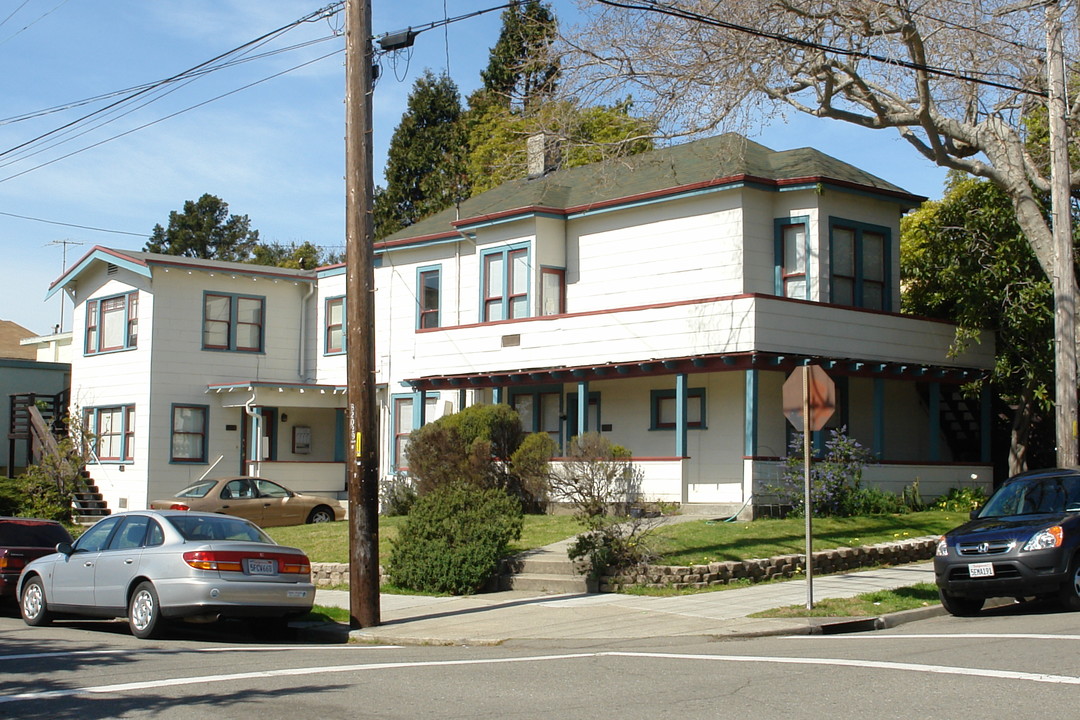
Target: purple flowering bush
[836, 487]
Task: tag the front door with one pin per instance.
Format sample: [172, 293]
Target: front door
[267, 434]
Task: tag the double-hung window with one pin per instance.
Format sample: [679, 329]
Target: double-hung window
[664, 414]
[403, 425]
[189, 423]
[791, 258]
[112, 432]
[552, 291]
[428, 281]
[233, 322]
[540, 411]
[112, 323]
[859, 257]
[506, 283]
[335, 326]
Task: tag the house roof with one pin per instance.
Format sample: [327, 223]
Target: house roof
[723, 161]
[10, 336]
[141, 262]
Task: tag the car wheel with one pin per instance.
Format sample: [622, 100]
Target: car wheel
[32, 605]
[960, 606]
[1069, 595]
[144, 612]
[321, 514]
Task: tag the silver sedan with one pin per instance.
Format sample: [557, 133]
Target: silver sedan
[152, 566]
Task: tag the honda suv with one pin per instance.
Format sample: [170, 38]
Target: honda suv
[1023, 542]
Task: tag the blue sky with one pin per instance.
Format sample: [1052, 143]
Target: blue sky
[274, 151]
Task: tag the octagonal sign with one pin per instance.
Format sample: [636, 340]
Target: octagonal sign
[822, 397]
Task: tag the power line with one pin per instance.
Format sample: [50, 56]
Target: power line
[73, 225]
[664, 9]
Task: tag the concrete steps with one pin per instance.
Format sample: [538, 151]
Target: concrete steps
[546, 570]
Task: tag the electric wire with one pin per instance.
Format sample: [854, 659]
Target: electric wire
[672, 11]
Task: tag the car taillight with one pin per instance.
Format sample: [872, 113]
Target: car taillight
[7, 563]
[179, 506]
[233, 561]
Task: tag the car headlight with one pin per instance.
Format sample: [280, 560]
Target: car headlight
[942, 547]
[1051, 537]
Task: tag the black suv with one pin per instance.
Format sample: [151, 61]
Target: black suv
[1024, 542]
[23, 540]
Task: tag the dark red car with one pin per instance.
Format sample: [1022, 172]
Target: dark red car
[23, 540]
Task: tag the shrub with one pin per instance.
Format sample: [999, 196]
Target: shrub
[600, 479]
[963, 499]
[835, 481]
[396, 495]
[453, 539]
[485, 446]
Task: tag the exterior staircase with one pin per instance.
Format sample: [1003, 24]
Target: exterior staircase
[90, 505]
[548, 570]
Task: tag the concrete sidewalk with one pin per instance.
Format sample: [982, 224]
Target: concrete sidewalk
[502, 617]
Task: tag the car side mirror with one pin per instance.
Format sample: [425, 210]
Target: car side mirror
[64, 548]
[974, 513]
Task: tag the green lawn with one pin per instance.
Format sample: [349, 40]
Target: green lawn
[329, 542]
[695, 542]
[703, 541]
[869, 604]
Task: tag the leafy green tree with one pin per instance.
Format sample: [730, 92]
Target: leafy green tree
[425, 163]
[205, 230]
[521, 71]
[965, 259]
[293, 255]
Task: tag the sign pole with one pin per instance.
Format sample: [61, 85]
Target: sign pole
[807, 507]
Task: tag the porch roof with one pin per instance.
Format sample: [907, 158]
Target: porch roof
[720, 362]
[266, 392]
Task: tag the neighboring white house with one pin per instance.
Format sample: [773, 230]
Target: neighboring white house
[661, 300]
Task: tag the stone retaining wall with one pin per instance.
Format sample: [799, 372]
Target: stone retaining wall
[328, 574]
[722, 573]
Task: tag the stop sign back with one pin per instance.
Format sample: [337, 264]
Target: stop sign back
[821, 394]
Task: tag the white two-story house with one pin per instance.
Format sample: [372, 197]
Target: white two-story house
[661, 300]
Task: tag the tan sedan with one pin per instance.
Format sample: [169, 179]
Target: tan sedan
[263, 502]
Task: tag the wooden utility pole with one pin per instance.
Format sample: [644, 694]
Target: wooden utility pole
[363, 458]
[1064, 281]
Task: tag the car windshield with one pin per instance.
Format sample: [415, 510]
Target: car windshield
[31, 533]
[202, 528]
[197, 490]
[1032, 496]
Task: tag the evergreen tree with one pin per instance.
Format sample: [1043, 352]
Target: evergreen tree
[205, 230]
[520, 71]
[425, 162]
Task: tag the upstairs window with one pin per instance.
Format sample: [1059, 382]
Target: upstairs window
[233, 322]
[112, 323]
[506, 284]
[792, 254]
[335, 326]
[859, 256]
[428, 281]
[552, 291]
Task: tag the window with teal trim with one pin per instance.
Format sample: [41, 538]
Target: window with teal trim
[112, 323]
[540, 410]
[189, 423]
[663, 415]
[428, 297]
[233, 322]
[112, 432]
[335, 326]
[859, 256]
[792, 257]
[505, 284]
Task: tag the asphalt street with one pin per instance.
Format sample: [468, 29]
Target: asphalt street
[1016, 661]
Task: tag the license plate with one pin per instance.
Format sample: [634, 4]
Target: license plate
[296, 593]
[981, 570]
[261, 567]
